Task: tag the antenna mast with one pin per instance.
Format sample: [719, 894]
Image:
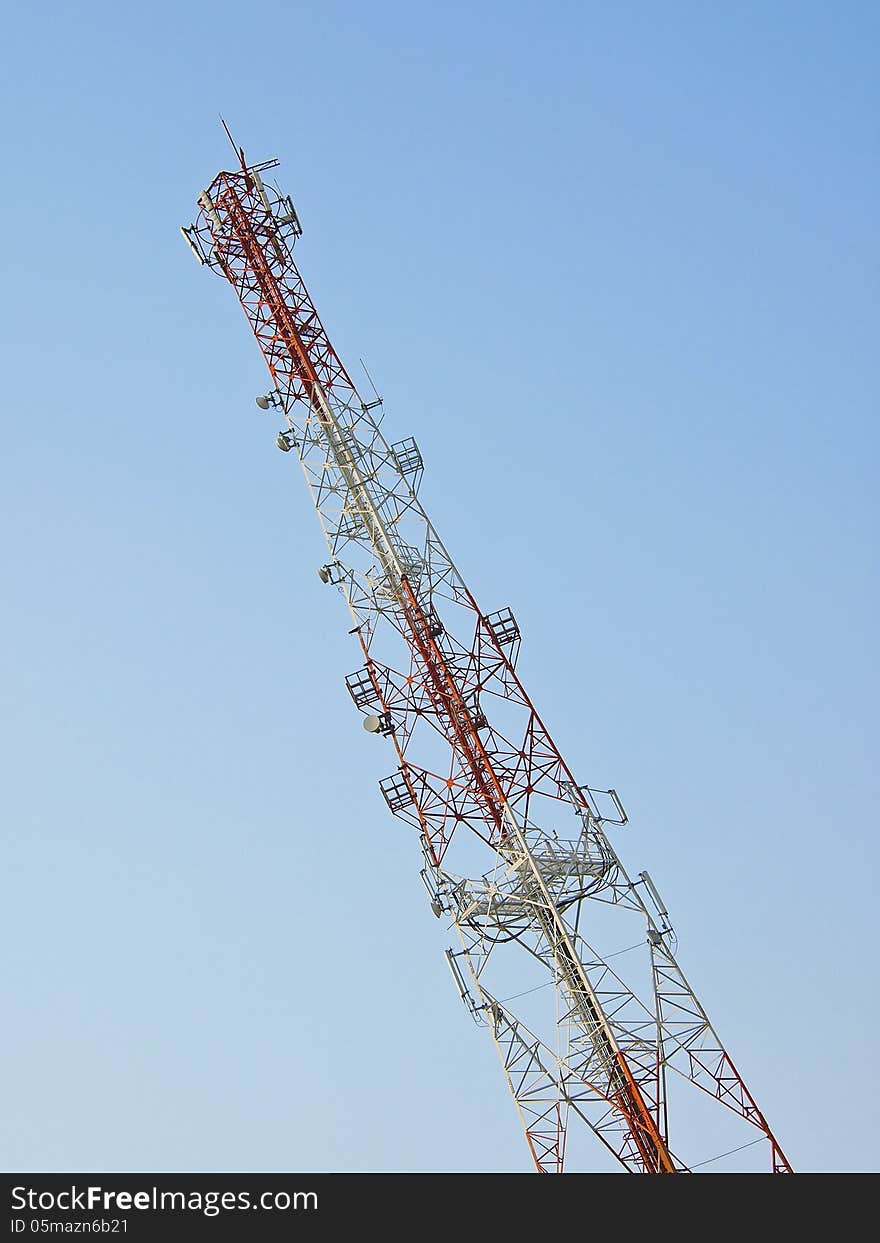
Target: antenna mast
[608, 1039]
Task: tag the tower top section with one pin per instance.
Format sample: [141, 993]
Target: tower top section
[271, 213]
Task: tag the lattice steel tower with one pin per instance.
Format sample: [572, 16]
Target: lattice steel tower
[609, 1037]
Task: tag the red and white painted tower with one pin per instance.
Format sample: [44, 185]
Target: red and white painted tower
[608, 1037]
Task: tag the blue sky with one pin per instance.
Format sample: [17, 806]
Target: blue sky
[615, 267]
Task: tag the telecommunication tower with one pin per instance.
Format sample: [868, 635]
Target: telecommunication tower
[608, 1039]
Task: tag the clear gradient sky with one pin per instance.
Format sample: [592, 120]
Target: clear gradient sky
[615, 267]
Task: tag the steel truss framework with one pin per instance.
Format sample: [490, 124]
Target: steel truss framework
[473, 757]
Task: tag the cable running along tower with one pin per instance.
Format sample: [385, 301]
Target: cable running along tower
[608, 1040]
